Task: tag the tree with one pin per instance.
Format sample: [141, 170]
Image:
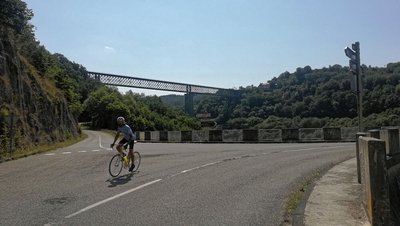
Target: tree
[14, 15]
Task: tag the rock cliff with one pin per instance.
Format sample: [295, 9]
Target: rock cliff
[40, 111]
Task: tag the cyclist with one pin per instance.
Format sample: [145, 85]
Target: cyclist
[129, 138]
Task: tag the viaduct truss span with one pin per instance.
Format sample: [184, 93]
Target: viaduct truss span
[143, 83]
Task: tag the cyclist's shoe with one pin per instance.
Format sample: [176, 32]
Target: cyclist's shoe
[132, 167]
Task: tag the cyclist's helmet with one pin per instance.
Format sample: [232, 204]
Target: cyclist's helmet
[120, 120]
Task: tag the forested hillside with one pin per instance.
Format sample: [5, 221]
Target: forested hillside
[311, 98]
[141, 112]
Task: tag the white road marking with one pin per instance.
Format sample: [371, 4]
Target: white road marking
[188, 170]
[95, 150]
[100, 146]
[112, 198]
[50, 154]
[66, 153]
[82, 151]
[210, 164]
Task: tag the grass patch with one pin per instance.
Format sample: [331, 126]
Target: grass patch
[40, 148]
[295, 197]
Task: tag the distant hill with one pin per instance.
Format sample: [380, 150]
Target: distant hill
[311, 98]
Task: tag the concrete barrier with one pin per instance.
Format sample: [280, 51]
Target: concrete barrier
[310, 134]
[155, 136]
[394, 191]
[349, 133]
[332, 134]
[247, 135]
[215, 135]
[140, 135]
[391, 138]
[270, 135]
[359, 134]
[200, 135]
[290, 135]
[375, 133]
[186, 136]
[164, 136]
[174, 136]
[235, 135]
[147, 135]
[250, 135]
[376, 192]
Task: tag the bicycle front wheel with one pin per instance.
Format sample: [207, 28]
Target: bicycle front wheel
[115, 166]
[136, 160]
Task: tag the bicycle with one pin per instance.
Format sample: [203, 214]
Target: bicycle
[117, 162]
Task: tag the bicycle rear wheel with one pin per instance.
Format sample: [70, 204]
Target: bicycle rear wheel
[115, 166]
[136, 160]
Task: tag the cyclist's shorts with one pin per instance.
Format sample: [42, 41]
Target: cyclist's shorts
[124, 141]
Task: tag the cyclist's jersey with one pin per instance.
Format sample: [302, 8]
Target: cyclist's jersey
[127, 131]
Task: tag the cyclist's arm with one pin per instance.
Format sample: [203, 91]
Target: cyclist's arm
[116, 137]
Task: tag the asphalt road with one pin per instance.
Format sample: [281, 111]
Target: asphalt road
[177, 184]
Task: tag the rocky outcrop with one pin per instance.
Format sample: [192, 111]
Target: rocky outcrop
[40, 111]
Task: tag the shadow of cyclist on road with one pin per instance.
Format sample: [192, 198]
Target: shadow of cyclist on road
[120, 180]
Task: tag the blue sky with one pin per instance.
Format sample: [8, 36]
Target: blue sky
[221, 43]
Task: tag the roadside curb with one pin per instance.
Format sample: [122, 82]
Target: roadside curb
[335, 198]
[298, 215]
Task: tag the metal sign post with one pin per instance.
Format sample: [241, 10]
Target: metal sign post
[355, 68]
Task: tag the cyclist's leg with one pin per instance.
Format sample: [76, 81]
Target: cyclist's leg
[121, 143]
[130, 155]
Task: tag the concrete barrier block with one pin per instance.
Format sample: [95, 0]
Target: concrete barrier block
[310, 134]
[174, 136]
[391, 137]
[186, 136]
[359, 156]
[235, 135]
[290, 135]
[200, 135]
[394, 192]
[155, 136]
[349, 133]
[375, 133]
[250, 135]
[376, 191]
[139, 135]
[271, 135]
[332, 134]
[164, 136]
[215, 135]
[147, 135]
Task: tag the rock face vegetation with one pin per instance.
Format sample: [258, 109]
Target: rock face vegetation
[39, 111]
